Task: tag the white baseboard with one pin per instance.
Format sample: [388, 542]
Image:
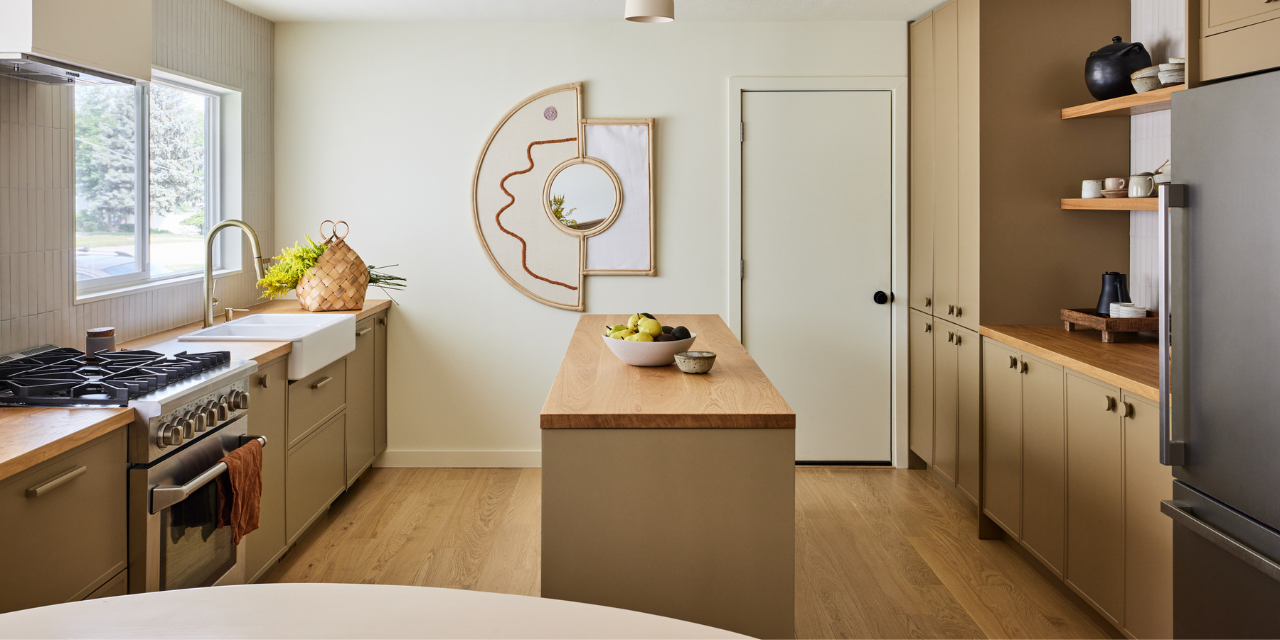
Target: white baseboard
[459, 459]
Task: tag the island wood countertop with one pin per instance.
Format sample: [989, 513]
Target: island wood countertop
[1133, 365]
[596, 390]
[29, 435]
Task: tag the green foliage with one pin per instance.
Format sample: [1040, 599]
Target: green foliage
[290, 266]
[557, 209]
[195, 220]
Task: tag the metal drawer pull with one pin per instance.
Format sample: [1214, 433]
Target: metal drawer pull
[1227, 543]
[1111, 403]
[382, 321]
[1024, 366]
[957, 340]
[1013, 362]
[951, 336]
[264, 380]
[55, 482]
[959, 311]
[1128, 409]
[951, 309]
[166, 496]
[322, 382]
[363, 331]
[928, 302]
[928, 328]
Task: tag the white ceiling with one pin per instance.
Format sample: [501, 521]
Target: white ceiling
[580, 10]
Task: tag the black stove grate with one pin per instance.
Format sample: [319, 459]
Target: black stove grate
[70, 377]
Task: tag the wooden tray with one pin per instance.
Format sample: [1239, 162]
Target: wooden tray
[1075, 319]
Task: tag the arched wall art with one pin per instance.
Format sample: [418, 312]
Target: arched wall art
[557, 197]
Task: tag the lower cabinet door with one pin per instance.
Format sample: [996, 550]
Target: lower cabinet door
[946, 364]
[1044, 461]
[920, 342]
[360, 391]
[269, 388]
[315, 475]
[63, 525]
[969, 413]
[1002, 457]
[1148, 533]
[1095, 495]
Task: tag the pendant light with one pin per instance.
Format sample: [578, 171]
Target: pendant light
[651, 10]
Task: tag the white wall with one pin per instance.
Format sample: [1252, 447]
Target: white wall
[381, 124]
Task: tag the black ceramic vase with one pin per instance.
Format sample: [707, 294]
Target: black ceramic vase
[1115, 288]
[1107, 70]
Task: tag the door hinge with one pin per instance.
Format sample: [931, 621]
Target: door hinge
[742, 269]
[742, 132]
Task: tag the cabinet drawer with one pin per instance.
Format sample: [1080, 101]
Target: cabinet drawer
[1238, 51]
[316, 398]
[1222, 15]
[314, 475]
[64, 542]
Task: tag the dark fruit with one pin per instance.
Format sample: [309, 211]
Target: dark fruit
[666, 329]
[649, 316]
[681, 333]
[666, 337]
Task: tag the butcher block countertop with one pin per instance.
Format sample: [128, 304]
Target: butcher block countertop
[29, 436]
[1132, 365]
[594, 389]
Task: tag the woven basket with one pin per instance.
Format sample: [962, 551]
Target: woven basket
[339, 278]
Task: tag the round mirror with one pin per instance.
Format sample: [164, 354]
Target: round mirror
[583, 197]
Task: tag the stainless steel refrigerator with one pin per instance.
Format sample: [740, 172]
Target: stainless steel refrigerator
[1220, 378]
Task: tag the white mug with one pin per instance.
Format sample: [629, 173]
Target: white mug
[1141, 186]
[1115, 183]
[1091, 189]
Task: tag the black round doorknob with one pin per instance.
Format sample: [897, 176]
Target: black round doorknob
[881, 297]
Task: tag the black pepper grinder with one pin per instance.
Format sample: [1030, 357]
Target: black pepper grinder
[1115, 288]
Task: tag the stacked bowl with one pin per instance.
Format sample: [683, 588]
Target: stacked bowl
[1171, 73]
[1127, 310]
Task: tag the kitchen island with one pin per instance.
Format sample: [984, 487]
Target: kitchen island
[669, 493]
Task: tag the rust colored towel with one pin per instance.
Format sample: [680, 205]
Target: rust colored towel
[240, 491]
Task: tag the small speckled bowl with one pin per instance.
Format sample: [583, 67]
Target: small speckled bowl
[695, 361]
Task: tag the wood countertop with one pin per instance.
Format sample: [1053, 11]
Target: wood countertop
[29, 436]
[1132, 365]
[596, 390]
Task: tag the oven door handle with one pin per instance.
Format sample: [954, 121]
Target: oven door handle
[165, 496]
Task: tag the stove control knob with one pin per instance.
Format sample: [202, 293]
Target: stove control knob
[168, 434]
[175, 434]
[239, 400]
[188, 423]
[210, 412]
[200, 418]
[162, 440]
[224, 407]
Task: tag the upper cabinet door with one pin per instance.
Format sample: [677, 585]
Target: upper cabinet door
[969, 158]
[922, 142]
[921, 373]
[946, 162]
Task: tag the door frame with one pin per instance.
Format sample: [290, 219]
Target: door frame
[899, 316]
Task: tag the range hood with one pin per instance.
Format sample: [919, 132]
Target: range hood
[25, 66]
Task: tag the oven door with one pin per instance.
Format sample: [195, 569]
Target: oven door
[174, 542]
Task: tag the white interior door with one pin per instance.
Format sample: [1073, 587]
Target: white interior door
[817, 187]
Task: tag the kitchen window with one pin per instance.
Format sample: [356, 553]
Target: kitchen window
[148, 184]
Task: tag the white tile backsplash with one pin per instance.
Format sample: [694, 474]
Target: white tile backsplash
[207, 39]
[1160, 25]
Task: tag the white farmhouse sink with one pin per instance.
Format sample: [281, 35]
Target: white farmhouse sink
[318, 339]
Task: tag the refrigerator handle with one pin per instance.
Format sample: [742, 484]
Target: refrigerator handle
[1183, 516]
[1170, 195]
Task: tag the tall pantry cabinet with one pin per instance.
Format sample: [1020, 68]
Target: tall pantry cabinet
[990, 161]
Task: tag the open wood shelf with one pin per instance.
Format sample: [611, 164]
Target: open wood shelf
[1149, 102]
[1111, 204]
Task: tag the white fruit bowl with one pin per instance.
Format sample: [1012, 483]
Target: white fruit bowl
[648, 354]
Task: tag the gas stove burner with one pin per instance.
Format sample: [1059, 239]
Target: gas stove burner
[70, 377]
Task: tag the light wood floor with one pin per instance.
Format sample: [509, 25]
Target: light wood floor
[880, 553]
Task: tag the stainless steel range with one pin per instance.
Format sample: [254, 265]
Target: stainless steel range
[191, 409]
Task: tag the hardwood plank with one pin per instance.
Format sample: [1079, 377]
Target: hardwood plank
[29, 436]
[1132, 105]
[1132, 365]
[879, 552]
[595, 390]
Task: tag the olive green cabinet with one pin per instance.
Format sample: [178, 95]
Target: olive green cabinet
[361, 445]
[269, 390]
[63, 528]
[920, 343]
[1002, 440]
[1095, 495]
[1148, 533]
[1044, 461]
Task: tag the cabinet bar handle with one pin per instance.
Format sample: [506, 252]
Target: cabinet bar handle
[322, 382]
[55, 482]
[363, 331]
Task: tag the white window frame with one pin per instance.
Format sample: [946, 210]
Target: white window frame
[223, 199]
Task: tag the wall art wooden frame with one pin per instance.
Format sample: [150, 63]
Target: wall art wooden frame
[523, 154]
